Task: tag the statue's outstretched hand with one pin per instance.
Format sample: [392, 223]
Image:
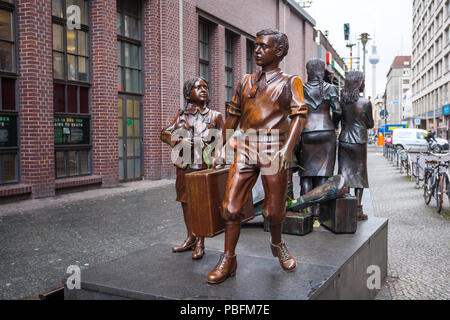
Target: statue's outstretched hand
[285, 158]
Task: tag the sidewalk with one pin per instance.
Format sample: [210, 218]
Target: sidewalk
[27, 205]
[418, 239]
[41, 238]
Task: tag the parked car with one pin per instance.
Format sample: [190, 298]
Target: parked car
[414, 140]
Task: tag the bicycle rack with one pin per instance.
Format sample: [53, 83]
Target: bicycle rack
[417, 172]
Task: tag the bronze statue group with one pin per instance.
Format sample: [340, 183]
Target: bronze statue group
[305, 118]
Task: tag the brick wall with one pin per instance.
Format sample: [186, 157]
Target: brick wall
[161, 74]
[190, 41]
[37, 166]
[170, 74]
[152, 147]
[240, 58]
[295, 31]
[253, 16]
[310, 44]
[104, 99]
[217, 68]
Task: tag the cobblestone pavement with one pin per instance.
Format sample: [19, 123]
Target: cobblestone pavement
[419, 238]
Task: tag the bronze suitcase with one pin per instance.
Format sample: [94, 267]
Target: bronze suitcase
[340, 216]
[206, 190]
[297, 224]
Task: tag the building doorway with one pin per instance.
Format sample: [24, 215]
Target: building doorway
[130, 138]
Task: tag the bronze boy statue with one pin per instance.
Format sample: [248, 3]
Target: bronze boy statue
[193, 121]
[356, 120]
[317, 151]
[267, 102]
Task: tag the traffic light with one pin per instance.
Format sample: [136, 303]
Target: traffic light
[347, 31]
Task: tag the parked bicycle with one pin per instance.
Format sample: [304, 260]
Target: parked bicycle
[405, 162]
[415, 170]
[436, 181]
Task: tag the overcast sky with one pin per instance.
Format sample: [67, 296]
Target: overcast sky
[389, 22]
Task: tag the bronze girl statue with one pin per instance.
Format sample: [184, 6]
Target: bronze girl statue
[195, 119]
[357, 118]
[317, 150]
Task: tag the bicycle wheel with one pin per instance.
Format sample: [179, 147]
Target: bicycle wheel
[427, 188]
[444, 187]
[439, 193]
[447, 191]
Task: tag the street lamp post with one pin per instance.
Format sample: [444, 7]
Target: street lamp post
[364, 38]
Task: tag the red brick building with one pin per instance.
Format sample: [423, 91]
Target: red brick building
[84, 106]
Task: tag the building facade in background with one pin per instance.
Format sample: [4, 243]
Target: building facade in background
[85, 107]
[431, 64]
[378, 109]
[335, 65]
[397, 84]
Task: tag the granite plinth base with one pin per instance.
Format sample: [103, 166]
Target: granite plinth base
[330, 266]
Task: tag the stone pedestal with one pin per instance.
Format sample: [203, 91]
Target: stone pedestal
[330, 266]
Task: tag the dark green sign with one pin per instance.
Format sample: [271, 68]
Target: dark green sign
[8, 131]
[70, 130]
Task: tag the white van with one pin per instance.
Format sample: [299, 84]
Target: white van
[413, 140]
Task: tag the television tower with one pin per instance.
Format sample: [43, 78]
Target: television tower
[374, 59]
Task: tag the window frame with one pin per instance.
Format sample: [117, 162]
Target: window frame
[11, 7]
[66, 150]
[249, 56]
[13, 75]
[121, 41]
[124, 95]
[83, 27]
[229, 69]
[207, 63]
[78, 84]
